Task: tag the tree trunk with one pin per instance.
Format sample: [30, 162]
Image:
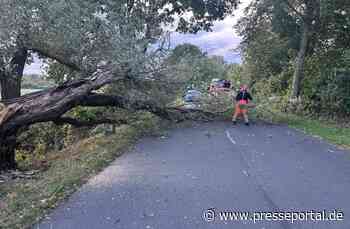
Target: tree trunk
[300, 62]
[10, 87]
[7, 152]
[10, 81]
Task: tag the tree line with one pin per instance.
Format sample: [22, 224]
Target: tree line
[299, 50]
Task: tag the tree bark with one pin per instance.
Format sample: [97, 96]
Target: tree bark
[10, 86]
[10, 83]
[10, 80]
[300, 62]
[44, 106]
[7, 152]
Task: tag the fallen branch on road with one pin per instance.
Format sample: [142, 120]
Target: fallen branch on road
[81, 123]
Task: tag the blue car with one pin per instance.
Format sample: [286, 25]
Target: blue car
[192, 96]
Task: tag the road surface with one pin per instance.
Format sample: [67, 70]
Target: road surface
[169, 182]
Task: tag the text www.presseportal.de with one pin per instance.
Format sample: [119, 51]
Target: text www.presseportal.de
[212, 215]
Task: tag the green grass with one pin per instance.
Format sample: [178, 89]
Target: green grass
[330, 131]
[24, 202]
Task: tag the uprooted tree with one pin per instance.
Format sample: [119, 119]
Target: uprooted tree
[103, 44]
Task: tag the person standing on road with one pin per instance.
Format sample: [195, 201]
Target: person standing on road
[242, 100]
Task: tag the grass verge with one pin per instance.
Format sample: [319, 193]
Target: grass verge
[332, 132]
[24, 202]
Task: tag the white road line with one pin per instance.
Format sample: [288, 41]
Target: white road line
[230, 138]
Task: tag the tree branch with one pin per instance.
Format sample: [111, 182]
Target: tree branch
[53, 103]
[60, 59]
[170, 113]
[80, 123]
[94, 99]
[301, 16]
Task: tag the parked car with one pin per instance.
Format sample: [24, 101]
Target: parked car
[192, 96]
[219, 85]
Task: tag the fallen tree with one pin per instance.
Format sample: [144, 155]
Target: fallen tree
[89, 38]
[52, 105]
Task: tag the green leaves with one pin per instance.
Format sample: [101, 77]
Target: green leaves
[271, 38]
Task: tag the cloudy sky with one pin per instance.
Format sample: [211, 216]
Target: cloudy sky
[221, 41]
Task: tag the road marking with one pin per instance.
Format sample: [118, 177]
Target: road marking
[230, 138]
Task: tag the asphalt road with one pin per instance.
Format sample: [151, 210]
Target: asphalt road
[167, 182]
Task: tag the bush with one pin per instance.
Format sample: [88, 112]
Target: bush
[326, 90]
[40, 139]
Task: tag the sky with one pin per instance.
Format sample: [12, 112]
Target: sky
[221, 41]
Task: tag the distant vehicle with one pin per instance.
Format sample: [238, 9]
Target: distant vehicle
[219, 85]
[192, 96]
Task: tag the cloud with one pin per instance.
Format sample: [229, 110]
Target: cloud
[221, 41]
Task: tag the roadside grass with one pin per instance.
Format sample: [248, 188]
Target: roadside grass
[25, 202]
[330, 131]
[335, 133]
